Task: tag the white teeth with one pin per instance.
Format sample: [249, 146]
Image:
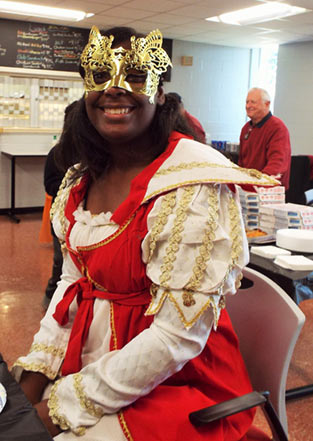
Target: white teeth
[120, 111]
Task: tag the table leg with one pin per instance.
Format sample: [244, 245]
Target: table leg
[11, 212]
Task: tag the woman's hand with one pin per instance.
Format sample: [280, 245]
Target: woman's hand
[43, 412]
[33, 385]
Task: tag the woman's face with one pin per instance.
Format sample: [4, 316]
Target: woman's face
[119, 115]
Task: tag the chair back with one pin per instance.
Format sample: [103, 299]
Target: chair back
[299, 179]
[267, 323]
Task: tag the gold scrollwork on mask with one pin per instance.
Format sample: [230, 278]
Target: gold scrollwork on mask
[146, 55]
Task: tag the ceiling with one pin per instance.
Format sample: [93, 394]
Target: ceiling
[185, 20]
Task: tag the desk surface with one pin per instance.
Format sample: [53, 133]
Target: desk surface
[19, 420]
[14, 153]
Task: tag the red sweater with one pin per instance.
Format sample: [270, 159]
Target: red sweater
[266, 147]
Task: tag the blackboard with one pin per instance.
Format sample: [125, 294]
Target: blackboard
[40, 46]
[45, 46]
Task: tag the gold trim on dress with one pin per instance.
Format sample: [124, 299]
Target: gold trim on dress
[85, 402]
[110, 238]
[189, 323]
[235, 230]
[167, 206]
[57, 419]
[196, 182]
[59, 203]
[207, 242]
[124, 426]
[96, 284]
[175, 236]
[47, 349]
[195, 164]
[205, 248]
[154, 309]
[113, 329]
[37, 367]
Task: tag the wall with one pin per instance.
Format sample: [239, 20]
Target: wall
[214, 88]
[294, 94]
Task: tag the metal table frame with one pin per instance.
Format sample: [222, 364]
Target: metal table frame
[12, 155]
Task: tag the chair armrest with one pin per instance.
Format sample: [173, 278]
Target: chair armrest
[226, 408]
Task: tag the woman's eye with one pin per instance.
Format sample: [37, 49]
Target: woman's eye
[136, 77]
[101, 77]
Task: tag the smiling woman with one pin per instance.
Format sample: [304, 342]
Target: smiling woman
[136, 335]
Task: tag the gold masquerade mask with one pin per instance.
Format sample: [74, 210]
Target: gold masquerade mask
[137, 69]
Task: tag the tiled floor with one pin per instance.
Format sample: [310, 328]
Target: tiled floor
[25, 266]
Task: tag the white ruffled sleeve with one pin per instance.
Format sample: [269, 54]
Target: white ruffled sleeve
[195, 250]
[49, 345]
[50, 342]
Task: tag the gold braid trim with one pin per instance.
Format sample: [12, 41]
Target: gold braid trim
[209, 304]
[113, 329]
[57, 419]
[152, 309]
[84, 401]
[166, 209]
[236, 246]
[199, 268]
[108, 239]
[175, 236]
[124, 426]
[205, 248]
[195, 164]
[61, 198]
[236, 236]
[38, 367]
[53, 350]
[235, 230]
[90, 279]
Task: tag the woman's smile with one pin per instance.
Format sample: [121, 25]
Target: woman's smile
[116, 111]
[119, 115]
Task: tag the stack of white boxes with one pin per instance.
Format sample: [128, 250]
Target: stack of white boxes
[251, 203]
[277, 216]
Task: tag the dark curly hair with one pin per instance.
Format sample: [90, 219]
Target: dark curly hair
[92, 150]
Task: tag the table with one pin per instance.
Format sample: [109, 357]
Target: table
[12, 155]
[19, 420]
[282, 276]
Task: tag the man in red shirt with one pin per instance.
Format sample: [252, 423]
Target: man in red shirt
[264, 140]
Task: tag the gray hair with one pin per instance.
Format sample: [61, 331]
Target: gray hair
[264, 93]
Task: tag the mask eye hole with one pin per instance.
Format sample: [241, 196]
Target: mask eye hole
[136, 76]
[101, 77]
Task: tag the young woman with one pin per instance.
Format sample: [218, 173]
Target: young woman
[136, 335]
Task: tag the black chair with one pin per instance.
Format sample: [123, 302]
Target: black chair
[299, 180]
[19, 420]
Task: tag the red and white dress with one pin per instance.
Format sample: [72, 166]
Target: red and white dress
[136, 335]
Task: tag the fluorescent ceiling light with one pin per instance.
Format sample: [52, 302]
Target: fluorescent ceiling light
[258, 14]
[42, 11]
